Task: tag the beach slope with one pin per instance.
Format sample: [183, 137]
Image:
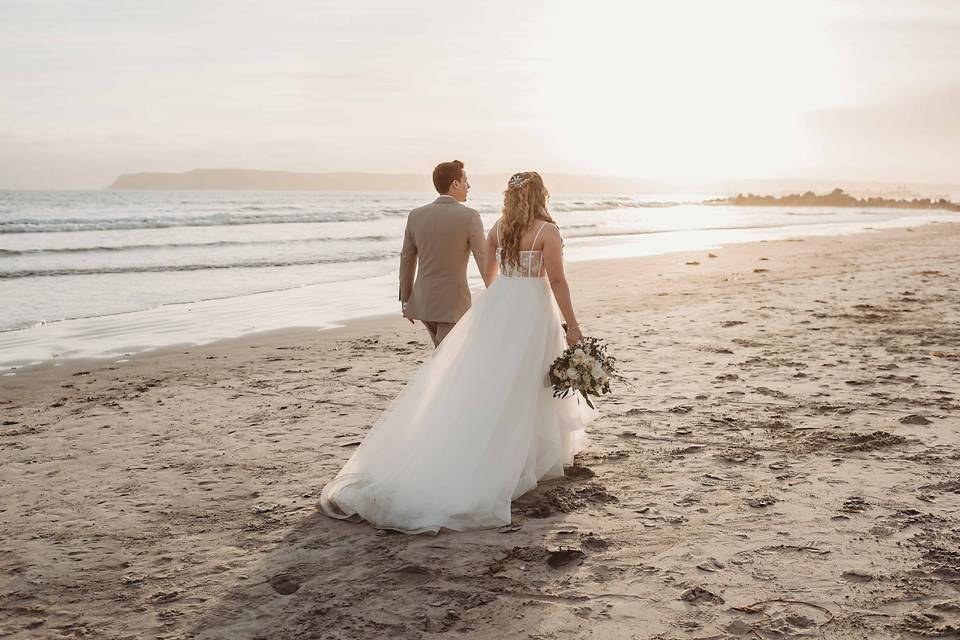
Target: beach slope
[784, 464]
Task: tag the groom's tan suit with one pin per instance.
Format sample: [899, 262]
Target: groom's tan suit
[437, 244]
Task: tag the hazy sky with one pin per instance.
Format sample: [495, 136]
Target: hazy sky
[679, 90]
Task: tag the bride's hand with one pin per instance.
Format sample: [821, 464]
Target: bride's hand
[573, 335]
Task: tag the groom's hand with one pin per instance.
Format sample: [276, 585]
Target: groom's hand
[403, 312]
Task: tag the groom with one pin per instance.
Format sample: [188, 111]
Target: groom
[437, 244]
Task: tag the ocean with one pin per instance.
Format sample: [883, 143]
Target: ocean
[109, 273]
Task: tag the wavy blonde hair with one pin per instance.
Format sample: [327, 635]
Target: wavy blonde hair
[524, 201]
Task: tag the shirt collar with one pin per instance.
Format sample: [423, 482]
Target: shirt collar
[445, 198]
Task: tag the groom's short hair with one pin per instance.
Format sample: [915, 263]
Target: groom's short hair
[445, 173]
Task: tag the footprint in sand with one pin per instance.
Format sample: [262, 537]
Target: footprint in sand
[762, 501]
[578, 472]
[855, 504]
[413, 574]
[700, 594]
[565, 556]
[285, 583]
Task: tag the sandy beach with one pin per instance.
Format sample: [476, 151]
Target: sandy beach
[783, 465]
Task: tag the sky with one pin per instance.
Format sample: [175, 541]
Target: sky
[683, 91]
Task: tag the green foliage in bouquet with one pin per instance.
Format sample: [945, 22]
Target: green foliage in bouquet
[585, 367]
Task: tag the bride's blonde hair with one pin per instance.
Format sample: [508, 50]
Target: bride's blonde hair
[524, 201]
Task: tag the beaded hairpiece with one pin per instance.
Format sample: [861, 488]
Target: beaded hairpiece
[517, 180]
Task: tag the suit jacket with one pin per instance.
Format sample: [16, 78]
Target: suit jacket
[437, 243]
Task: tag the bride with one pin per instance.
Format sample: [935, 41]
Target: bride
[477, 425]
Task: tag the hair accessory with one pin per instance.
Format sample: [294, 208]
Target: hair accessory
[517, 180]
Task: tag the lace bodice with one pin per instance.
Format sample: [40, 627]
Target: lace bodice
[531, 265]
[531, 262]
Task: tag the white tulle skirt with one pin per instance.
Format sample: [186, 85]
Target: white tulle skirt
[476, 427]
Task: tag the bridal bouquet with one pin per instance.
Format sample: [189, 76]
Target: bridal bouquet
[584, 367]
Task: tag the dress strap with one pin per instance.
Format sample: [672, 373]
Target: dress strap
[537, 237]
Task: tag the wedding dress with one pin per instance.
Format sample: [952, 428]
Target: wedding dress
[477, 425]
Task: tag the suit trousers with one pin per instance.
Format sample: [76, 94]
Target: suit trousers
[438, 330]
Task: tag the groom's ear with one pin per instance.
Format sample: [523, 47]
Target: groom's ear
[445, 174]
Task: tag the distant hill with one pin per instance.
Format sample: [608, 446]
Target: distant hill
[836, 198]
[857, 188]
[255, 180]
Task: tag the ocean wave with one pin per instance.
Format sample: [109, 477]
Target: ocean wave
[51, 225]
[606, 205]
[250, 214]
[160, 268]
[643, 232]
[260, 207]
[185, 245]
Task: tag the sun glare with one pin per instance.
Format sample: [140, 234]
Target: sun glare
[676, 90]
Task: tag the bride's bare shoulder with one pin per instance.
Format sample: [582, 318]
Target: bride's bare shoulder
[550, 230]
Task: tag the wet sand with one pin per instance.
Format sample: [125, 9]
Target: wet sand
[784, 465]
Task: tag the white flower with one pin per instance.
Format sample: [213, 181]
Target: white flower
[579, 357]
[596, 370]
[572, 373]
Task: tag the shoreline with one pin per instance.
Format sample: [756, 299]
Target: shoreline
[785, 462]
[128, 351]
